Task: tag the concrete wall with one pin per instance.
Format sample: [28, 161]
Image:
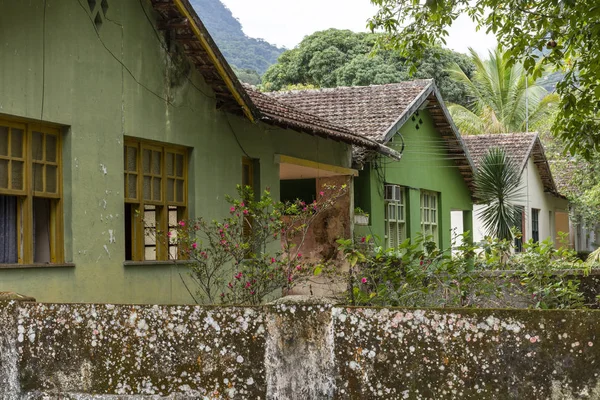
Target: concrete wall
[425, 165]
[100, 88]
[531, 195]
[295, 351]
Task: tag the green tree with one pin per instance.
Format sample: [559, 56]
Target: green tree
[497, 182]
[343, 58]
[503, 98]
[556, 34]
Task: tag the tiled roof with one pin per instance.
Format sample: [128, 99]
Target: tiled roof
[519, 147]
[280, 113]
[516, 145]
[378, 111]
[367, 110]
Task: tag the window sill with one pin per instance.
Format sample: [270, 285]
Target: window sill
[155, 263]
[32, 266]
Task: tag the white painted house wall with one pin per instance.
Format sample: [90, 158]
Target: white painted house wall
[532, 196]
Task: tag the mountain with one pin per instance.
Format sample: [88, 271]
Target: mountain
[242, 52]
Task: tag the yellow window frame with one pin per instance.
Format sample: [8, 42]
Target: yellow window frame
[25, 196]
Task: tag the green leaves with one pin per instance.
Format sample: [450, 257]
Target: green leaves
[542, 35]
[497, 182]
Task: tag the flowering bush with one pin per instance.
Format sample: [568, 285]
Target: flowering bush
[255, 251]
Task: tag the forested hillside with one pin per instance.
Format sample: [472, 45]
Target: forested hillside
[241, 51]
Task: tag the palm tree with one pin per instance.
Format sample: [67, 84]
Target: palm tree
[499, 93]
[497, 182]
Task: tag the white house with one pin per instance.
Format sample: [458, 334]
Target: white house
[545, 212]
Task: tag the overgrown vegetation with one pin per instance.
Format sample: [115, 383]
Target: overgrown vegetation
[417, 274]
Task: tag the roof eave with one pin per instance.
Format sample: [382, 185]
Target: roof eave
[223, 68]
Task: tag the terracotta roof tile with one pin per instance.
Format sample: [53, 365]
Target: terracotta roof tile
[519, 147]
[367, 110]
[284, 114]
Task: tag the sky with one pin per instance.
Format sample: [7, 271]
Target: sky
[285, 22]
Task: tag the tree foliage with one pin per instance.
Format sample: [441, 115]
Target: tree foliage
[343, 58]
[567, 29]
[497, 182]
[244, 52]
[503, 98]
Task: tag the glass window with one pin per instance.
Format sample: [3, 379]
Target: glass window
[155, 198]
[30, 194]
[429, 215]
[395, 215]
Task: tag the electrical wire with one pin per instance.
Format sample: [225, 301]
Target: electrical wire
[235, 136]
[121, 62]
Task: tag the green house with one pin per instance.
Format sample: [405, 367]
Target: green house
[432, 180]
[113, 109]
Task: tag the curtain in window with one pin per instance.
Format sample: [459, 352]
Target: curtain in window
[8, 230]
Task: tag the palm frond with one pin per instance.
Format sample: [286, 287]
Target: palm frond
[497, 186]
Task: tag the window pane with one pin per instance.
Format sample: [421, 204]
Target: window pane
[8, 230]
[38, 177]
[397, 190]
[51, 148]
[16, 142]
[170, 189]
[131, 159]
[41, 230]
[132, 186]
[179, 165]
[37, 143]
[170, 164]
[156, 195]
[146, 161]
[4, 174]
[51, 179]
[17, 175]
[147, 188]
[156, 163]
[149, 233]
[3, 141]
[179, 191]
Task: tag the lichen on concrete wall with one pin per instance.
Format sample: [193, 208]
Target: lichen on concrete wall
[142, 350]
[295, 351]
[470, 354]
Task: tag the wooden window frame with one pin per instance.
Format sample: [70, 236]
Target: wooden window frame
[429, 226]
[26, 195]
[395, 228]
[139, 203]
[535, 224]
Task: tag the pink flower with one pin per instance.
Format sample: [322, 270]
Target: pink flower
[242, 204]
[248, 284]
[245, 212]
[364, 280]
[272, 260]
[238, 275]
[222, 294]
[252, 292]
[232, 210]
[194, 245]
[299, 255]
[181, 223]
[298, 267]
[363, 239]
[322, 194]
[230, 285]
[169, 234]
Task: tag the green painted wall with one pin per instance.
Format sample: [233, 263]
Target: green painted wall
[99, 102]
[426, 165]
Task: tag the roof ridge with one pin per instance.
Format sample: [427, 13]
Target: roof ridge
[343, 88]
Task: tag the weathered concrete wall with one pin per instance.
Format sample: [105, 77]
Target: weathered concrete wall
[295, 351]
